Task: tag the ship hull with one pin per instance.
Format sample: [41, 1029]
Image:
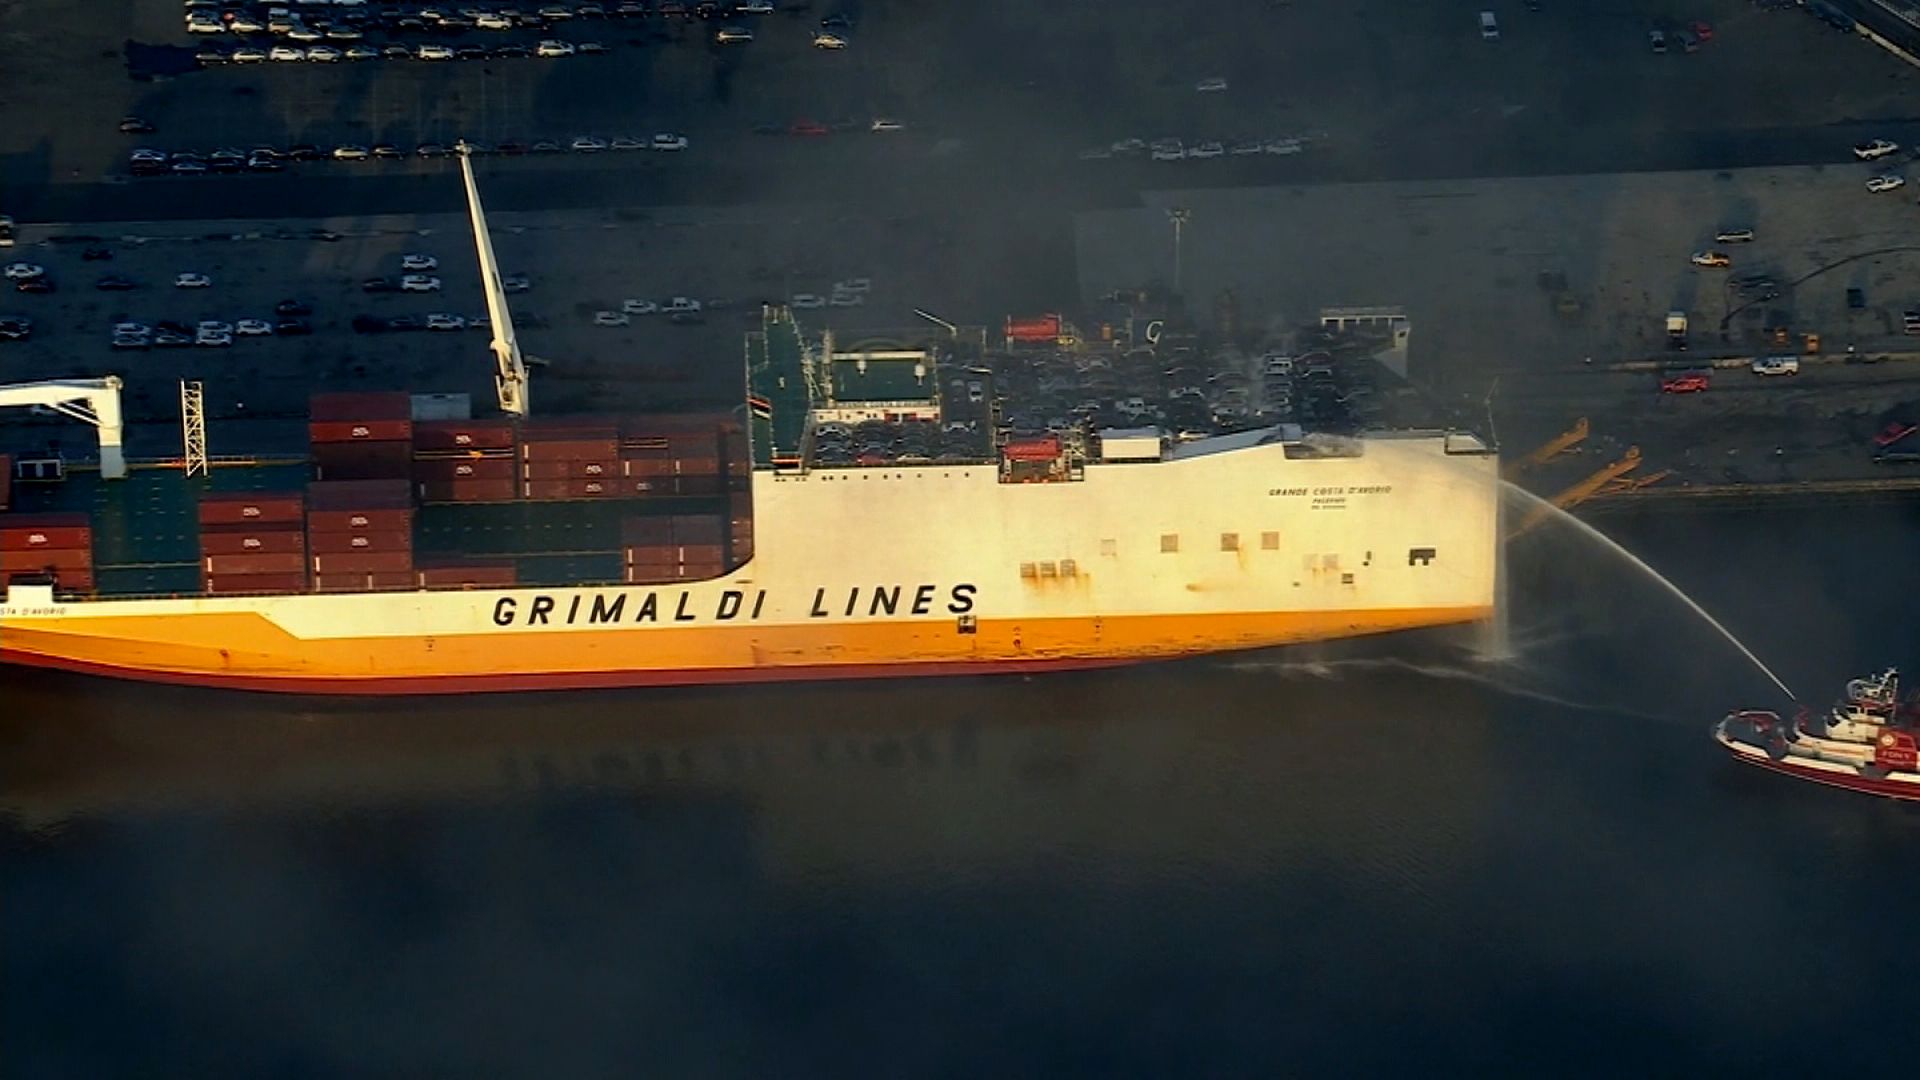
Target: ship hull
[1903, 786]
[937, 570]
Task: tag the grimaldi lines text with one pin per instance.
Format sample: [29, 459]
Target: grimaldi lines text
[1231, 543]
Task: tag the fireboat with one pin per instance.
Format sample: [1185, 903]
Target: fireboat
[1866, 742]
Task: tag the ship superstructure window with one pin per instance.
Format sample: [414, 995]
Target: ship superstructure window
[1169, 543]
[1229, 541]
[1269, 541]
[1029, 570]
[1047, 569]
[1069, 568]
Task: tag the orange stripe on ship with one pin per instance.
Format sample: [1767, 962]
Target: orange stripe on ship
[248, 651]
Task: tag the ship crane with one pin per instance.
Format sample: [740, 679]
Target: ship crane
[510, 367]
[92, 401]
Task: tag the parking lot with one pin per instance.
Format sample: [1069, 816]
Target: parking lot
[1543, 273]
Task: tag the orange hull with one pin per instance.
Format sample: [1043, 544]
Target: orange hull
[249, 651]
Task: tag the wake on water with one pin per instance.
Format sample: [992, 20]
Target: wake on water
[1499, 679]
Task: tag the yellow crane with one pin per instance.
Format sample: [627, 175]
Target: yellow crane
[1553, 448]
[1582, 491]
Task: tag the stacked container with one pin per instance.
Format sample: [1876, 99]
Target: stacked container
[6, 481]
[253, 542]
[465, 461]
[570, 458]
[680, 547]
[361, 436]
[672, 455]
[467, 574]
[360, 535]
[739, 528]
[43, 549]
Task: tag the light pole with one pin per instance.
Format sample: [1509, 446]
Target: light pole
[1179, 215]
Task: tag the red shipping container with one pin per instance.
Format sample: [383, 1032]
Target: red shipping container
[593, 489]
[346, 543]
[361, 521]
[651, 466]
[571, 449]
[24, 532]
[253, 542]
[251, 507]
[334, 432]
[646, 530]
[220, 584]
[362, 562]
[443, 469]
[700, 485]
[467, 575]
[283, 563]
[362, 461]
[391, 581]
[6, 481]
[698, 528]
[47, 559]
[463, 435]
[1042, 449]
[360, 494]
[505, 489]
[378, 405]
[1043, 328]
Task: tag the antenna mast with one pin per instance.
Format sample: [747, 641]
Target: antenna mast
[510, 369]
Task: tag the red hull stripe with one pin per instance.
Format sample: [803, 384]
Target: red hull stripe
[1892, 789]
[577, 680]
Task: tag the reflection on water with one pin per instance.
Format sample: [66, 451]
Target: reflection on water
[1323, 861]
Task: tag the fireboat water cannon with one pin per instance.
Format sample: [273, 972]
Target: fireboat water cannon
[1869, 741]
[91, 401]
[510, 368]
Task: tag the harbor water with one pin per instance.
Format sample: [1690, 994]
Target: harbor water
[1356, 860]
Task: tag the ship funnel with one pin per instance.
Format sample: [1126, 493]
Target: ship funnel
[510, 368]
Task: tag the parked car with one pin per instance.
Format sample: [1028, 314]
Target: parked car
[379, 285]
[1689, 383]
[115, 283]
[252, 327]
[438, 321]
[1734, 236]
[670, 142]
[1886, 182]
[24, 271]
[1875, 149]
[419, 283]
[1713, 260]
[292, 307]
[640, 307]
[1776, 365]
[414, 260]
[191, 280]
[611, 318]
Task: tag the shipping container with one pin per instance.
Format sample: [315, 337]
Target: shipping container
[583, 469]
[360, 494]
[642, 531]
[335, 543]
[376, 405]
[362, 562]
[6, 482]
[251, 541]
[320, 522]
[660, 575]
[251, 508]
[281, 563]
[25, 532]
[466, 575]
[505, 489]
[582, 448]
[464, 468]
[698, 528]
[698, 554]
[363, 461]
[1045, 328]
[44, 558]
[1041, 449]
[390, 581]
[334, 432]
[571, 489]
[700, 485]
[254, 583]
[463, 435]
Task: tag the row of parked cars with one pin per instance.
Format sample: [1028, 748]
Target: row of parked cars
[1171, 149]
[214, 55]
[148, 161]
[29, 277]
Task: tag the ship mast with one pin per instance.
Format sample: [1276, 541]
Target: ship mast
[510, 369]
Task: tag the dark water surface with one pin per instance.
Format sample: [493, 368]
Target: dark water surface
[1326, 862]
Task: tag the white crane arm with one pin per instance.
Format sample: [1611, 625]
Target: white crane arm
[510, 368]
[90, 401]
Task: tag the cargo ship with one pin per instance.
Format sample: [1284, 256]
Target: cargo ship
[415, 548]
